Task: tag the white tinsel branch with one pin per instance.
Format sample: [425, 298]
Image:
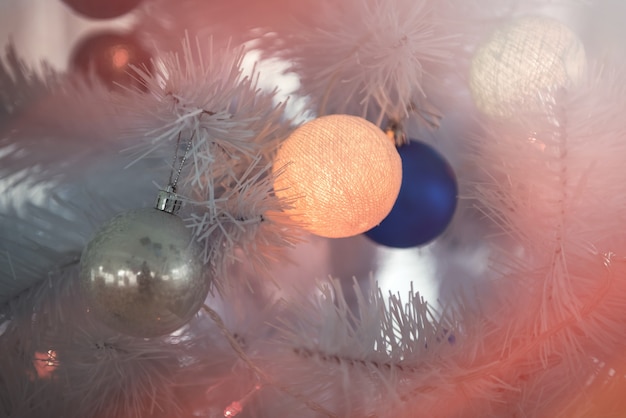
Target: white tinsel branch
[204, 102]
[554, 184]
[373, 58]
[547, 343]
[20, 85]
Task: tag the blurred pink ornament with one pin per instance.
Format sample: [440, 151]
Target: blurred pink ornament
[102, 9]
[110, 57]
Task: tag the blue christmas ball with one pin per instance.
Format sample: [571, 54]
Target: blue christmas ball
[426, 203]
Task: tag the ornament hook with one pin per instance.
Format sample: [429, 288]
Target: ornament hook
[167, 199]
[395, 132]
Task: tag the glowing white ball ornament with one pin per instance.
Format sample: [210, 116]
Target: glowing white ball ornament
[341, 174]
[523, 62]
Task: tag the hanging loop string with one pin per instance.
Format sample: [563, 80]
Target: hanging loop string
[167, 200]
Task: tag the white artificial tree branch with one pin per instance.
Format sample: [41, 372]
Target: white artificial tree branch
[547, 342]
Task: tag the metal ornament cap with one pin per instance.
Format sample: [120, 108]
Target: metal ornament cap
[142, 274]
[168, 201]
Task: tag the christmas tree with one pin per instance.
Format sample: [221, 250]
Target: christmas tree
[292, 148]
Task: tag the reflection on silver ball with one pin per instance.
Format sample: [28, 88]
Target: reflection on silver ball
[142, 274]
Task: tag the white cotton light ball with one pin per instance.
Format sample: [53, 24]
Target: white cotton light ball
[521, 64]
[340, 173]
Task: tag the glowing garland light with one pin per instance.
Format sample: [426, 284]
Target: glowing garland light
[341, 175]
[523, 62]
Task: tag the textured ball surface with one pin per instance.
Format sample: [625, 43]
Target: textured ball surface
[522, 62]
[341, 173]
[426, 203]
[142, 274]
[109, 56]
[102, 9]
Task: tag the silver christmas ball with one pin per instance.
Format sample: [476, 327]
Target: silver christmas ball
[142, 273]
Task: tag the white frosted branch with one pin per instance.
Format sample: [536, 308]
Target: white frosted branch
[371, 58]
